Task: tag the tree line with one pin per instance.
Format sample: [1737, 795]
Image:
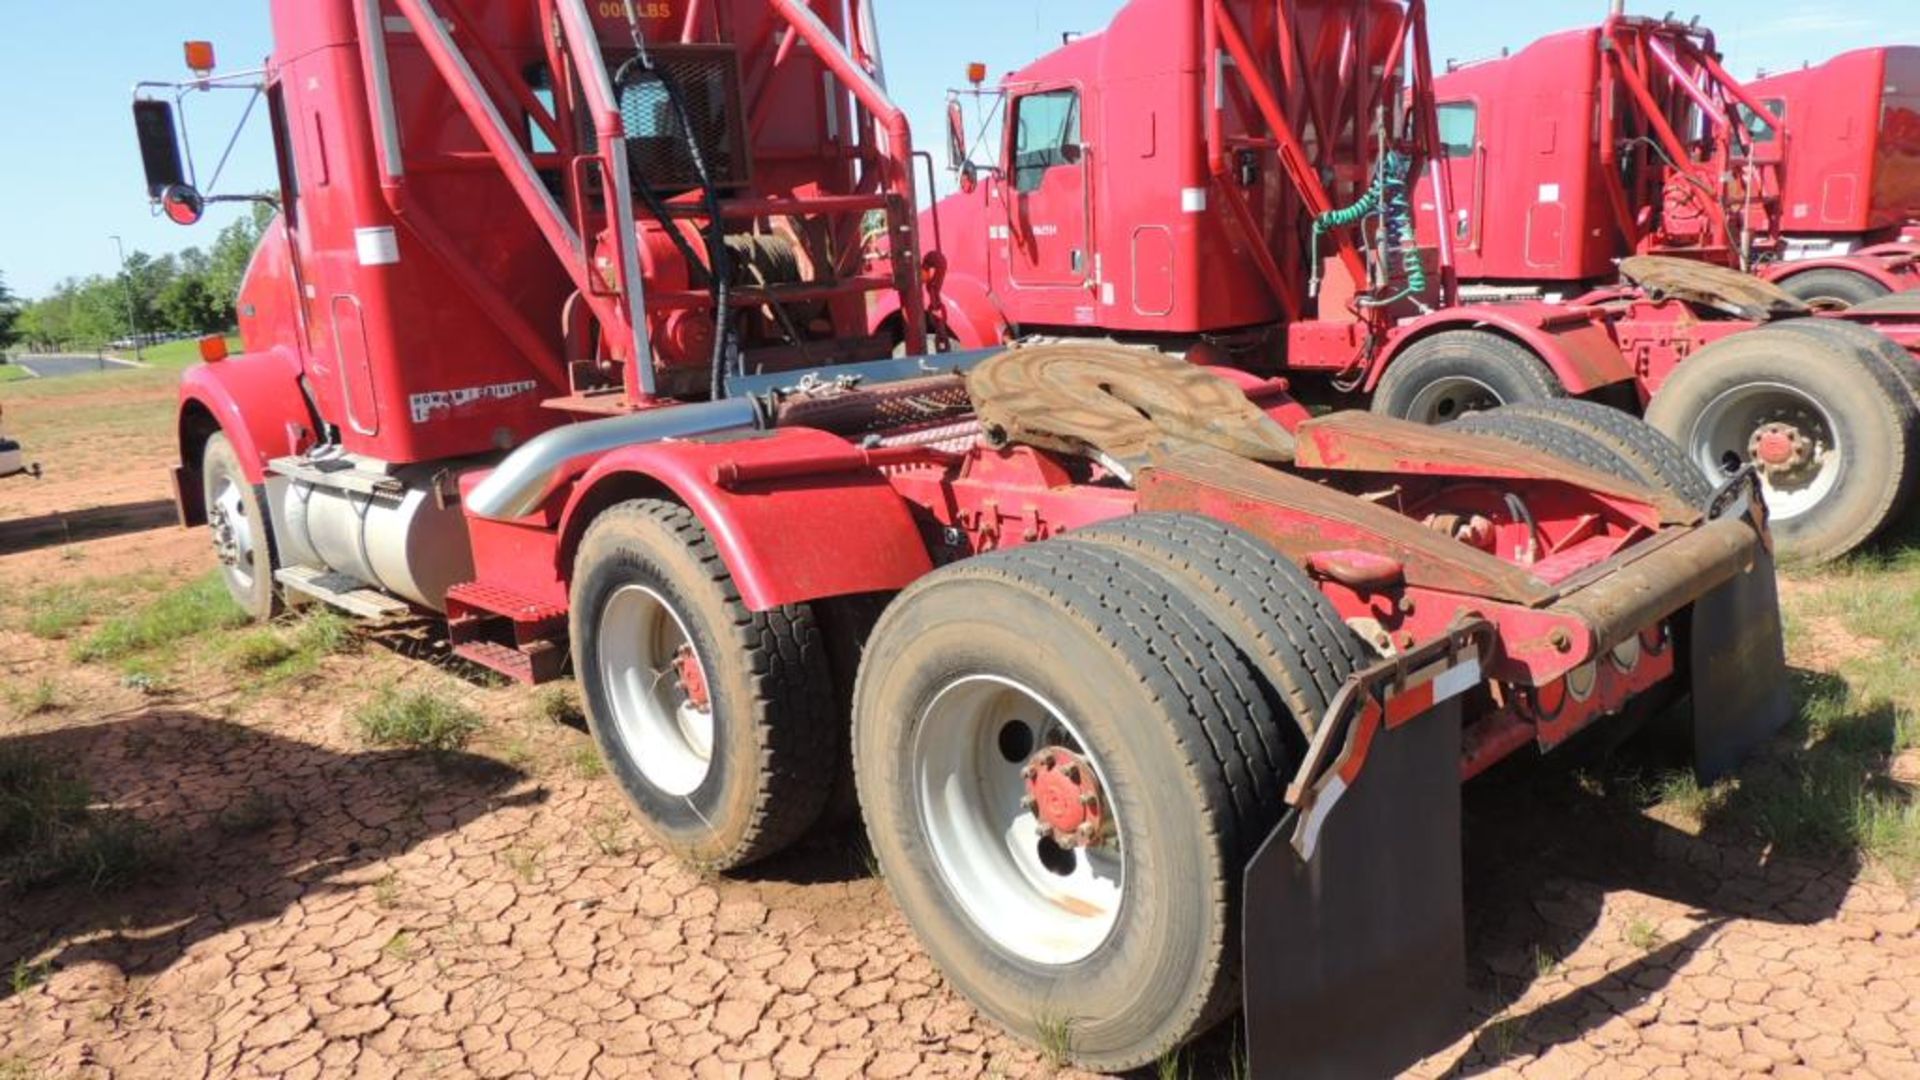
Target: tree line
[191, 292]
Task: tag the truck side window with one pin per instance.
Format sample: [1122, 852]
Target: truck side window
[1046, 129]
[283, 154]
[1459, 126]
[1759, 129]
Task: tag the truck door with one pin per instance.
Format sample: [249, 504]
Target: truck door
[1047, 192]
[1463, 157]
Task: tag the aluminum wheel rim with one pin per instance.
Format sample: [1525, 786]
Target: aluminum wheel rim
[967, 761]
[666, 735]
[1720, 436]
[233, 533]
[1450, 398]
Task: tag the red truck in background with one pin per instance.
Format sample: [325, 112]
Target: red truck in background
[1213, 201]
[1631, 138]
[1851, 184]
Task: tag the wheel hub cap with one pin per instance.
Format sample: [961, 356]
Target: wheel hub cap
[1781, 448]
[1064, 796]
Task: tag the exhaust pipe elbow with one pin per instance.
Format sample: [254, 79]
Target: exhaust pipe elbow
[528, 476]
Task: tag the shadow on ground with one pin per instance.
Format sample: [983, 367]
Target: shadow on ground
[194, 825]
[1547, 839]
[95, 523]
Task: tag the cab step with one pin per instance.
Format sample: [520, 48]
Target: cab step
[518, 636]
[338, 590]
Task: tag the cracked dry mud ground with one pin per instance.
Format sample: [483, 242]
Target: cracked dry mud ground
[331, 909]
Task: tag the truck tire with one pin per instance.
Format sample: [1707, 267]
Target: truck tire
[242, 535]
[715, 720]
[1832, 289]
[1455, 372]
[1267, 606]
[1557, 439]
[1654, 459]
[1865, 340]
[1834, 429]
[1905, 302]
[1123, 946]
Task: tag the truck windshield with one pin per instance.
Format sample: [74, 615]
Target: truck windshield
[1046, 134]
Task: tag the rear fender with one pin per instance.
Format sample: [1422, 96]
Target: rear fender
[1894, 274]
[830, 526]
[1576, 346]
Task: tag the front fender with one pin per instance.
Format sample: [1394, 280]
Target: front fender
[1582, 354]
[829, 525]
[255, 400]
[970, 311]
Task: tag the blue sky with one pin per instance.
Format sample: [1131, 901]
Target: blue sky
[70, 177]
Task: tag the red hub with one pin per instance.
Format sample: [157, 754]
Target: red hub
[1064, 794]
[1780, 447]
[691, 677]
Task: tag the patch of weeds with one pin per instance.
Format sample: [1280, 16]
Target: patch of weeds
[1889, 831]
[586, 761]
[559, 705]
[1055, 1036]
[1545, 963]
[609, 835]
[257, 650]
[386, 892]
[399, 946]
[1503, 1036]
[1682, 793]
[26, 975]
[138, 675]
[517, 752]
[523, 861]
[1643, 935]
[1172, 1065]
[257, 812]
[53, 614]
[50, 834]
[200, 607]
[34, 699]
[421, 719]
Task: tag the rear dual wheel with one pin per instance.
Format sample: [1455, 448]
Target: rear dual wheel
[1832, 289]
[1831, 425]
[1455, 372]
[1067, 753]
[715, 720]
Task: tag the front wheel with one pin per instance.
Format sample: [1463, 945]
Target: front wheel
[714, 719]
[238, 522]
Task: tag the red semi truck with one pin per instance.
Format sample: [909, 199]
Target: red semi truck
[1850, 189]
[1256, 225]
[1158, 692]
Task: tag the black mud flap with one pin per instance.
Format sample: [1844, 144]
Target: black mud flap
[1737, 657]
[1355, 960]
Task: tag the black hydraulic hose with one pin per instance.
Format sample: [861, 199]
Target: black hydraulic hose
[719, 259]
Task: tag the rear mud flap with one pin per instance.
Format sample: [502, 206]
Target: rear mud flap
[1355, 959]
[1737, 656]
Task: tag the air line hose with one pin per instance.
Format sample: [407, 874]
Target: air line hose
[1387, 199]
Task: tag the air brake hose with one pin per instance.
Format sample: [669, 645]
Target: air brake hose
[1387, 197]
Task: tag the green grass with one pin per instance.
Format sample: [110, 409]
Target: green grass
[419, 719]
[51, 834]
[14, 373]
[173, 619]
[53, 613]
[1643, 935]
[31, 699]
[175, 355]
[288, 649]
[1055, 1035]
[559, 705]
